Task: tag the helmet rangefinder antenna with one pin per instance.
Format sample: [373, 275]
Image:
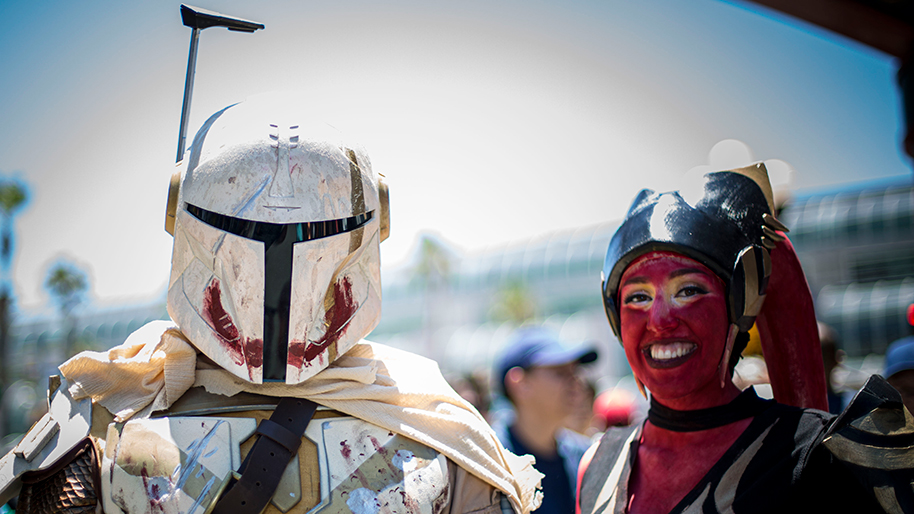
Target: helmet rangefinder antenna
[199, 19]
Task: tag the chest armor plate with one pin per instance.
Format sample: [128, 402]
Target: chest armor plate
[179, 464]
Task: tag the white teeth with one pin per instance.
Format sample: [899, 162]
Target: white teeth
[671, 351]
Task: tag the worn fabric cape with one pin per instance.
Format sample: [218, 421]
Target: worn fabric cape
[397, 390]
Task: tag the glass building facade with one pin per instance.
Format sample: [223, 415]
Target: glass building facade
[857, 247]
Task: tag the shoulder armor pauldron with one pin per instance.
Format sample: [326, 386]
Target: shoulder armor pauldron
[66, 424]
[874, 437]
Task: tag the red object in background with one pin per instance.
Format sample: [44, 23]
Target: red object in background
[614, 408]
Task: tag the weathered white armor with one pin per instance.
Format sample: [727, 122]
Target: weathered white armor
[179, 463]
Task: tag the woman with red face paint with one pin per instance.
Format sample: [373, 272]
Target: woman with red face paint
[686, 276]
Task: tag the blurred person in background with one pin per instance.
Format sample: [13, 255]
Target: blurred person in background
[539, 376]
[582, 420]
[899, 364]
[832, 356]
[473, 388]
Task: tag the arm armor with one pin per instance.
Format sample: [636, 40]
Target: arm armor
[50, 445]
[71, 486]
[874, 439]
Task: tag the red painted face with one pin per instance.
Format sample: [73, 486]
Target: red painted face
[674, 328]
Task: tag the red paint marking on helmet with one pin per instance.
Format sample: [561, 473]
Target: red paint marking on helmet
[253, 352]
[335, 319]
[296, 354]
[221, 322]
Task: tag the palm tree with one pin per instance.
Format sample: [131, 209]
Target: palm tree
[514, 302]
[432, 270]
[67, 284]
[434, 264]
[12, 197]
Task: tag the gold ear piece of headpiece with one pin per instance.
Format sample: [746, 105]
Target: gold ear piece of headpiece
[384, 197]
[171, 206]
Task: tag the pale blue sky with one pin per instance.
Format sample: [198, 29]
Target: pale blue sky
[493, 120]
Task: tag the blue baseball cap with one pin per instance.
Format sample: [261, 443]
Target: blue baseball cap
[532, 347]
[899, 356]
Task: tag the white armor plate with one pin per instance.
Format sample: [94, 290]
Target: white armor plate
[177, 465]
[371, 470]
[170, 465]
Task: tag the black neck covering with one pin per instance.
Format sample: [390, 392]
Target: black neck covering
[746, 405]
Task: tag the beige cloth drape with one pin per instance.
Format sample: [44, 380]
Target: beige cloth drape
[399, 391]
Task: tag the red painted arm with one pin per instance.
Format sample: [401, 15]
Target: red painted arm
[789, 336]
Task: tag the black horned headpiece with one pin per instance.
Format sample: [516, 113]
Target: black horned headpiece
[728, 225]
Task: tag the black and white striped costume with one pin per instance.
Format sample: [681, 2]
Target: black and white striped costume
[787, 460]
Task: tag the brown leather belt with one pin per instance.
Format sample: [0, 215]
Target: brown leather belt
[250, 491]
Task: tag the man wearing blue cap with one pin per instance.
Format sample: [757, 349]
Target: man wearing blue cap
[899, 365]
[538, 374]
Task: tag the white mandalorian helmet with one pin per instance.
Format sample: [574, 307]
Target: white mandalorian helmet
[276, 268]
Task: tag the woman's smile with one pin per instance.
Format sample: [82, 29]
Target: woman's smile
[668, 354]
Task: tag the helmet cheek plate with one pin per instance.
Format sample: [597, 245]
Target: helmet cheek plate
[320, 322]
[215, 297]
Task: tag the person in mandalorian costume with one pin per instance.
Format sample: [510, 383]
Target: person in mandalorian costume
[686, 276]
[260, 394]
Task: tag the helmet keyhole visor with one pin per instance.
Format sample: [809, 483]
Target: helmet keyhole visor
[278, 240]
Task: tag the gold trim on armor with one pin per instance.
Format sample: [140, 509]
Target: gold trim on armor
[888, 422]
[870, 456]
